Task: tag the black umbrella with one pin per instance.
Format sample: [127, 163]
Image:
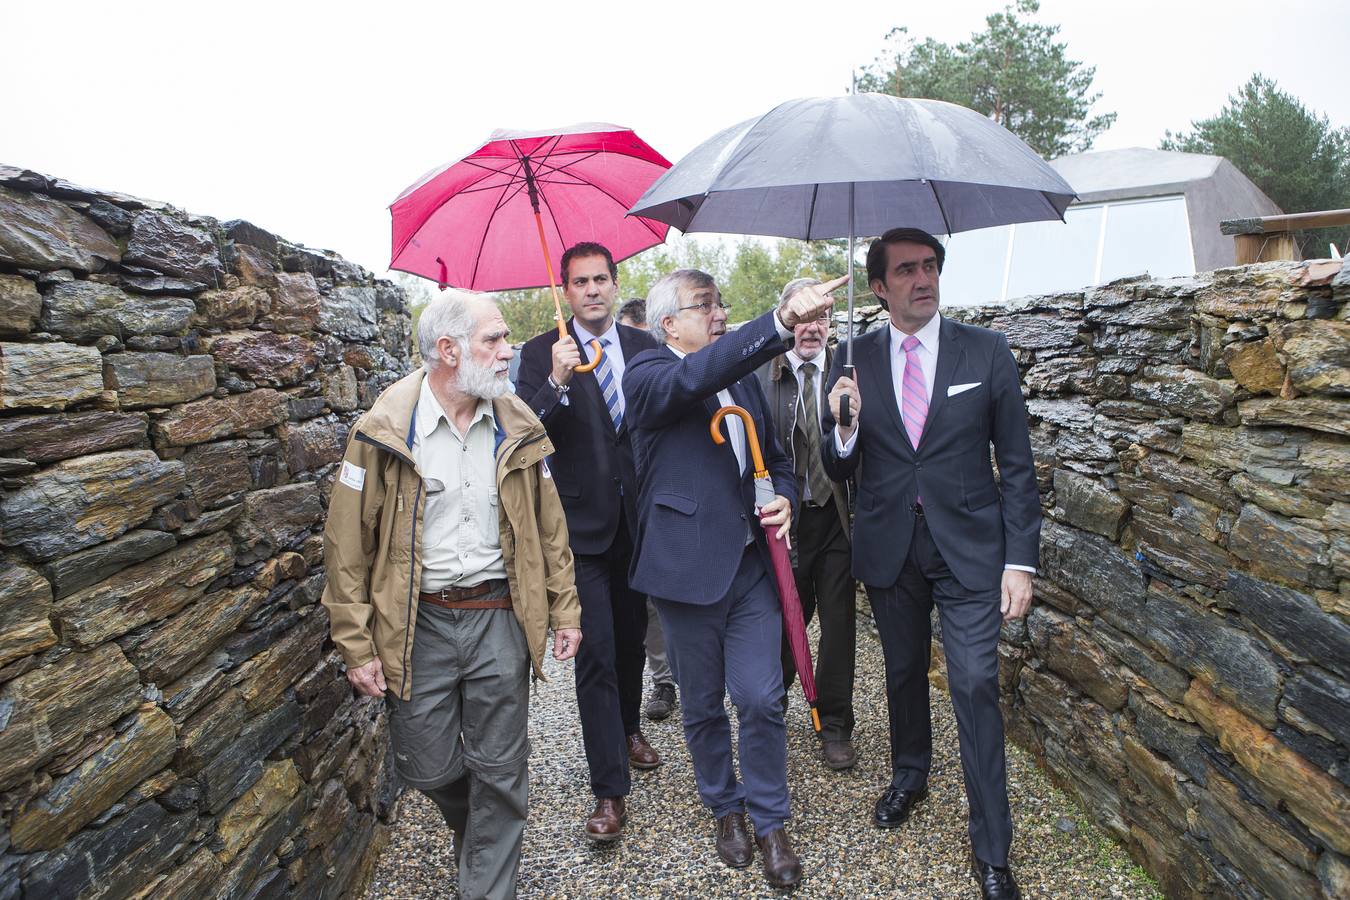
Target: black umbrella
[831, 167]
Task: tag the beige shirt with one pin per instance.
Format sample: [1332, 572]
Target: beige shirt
[461, 533]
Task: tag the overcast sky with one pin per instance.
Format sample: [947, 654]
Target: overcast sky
[309, 118]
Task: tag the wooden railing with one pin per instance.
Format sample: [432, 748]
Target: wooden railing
[1272, 237]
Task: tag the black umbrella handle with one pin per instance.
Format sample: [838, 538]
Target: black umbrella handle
[846, 414]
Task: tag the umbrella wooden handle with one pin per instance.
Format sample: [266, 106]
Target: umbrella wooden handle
[598, 351]
[751, 435]
[557, 303]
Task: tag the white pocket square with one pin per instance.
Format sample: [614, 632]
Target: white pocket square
[955, 389]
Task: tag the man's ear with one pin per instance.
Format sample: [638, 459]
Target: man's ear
[876, 293]
[445, 344]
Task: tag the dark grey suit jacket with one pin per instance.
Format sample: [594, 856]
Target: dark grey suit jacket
[978, 524]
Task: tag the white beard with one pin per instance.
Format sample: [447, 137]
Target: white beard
[480, 381]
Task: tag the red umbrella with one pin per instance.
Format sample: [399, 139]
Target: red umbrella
[793, 620]
[474, 222]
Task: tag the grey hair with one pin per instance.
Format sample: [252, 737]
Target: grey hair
[453, 315]
[664, 297]
[793, 287]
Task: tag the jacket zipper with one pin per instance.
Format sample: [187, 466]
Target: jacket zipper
[412, 573]
[412, 550]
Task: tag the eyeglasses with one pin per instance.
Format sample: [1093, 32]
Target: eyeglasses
[706, 306]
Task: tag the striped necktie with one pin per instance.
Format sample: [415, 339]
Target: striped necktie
[609, 387]
[913, 392]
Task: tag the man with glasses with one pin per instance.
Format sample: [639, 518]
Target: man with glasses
[592, 466]
[794, 384]
[703, 558]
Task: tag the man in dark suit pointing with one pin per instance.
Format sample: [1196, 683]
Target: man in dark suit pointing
[592, 467]
[702, 556]
[932, 526]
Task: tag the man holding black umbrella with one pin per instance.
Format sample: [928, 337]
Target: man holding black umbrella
[929, 397]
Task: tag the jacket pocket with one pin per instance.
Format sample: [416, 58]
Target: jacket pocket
[982, 496]
[677, 502]
[975, 394]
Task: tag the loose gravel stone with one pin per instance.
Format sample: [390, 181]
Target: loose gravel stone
[667, 846]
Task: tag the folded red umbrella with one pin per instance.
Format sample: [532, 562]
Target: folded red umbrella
[794, 623]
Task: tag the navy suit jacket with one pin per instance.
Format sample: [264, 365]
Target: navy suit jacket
[693, 502]
[592, 465]
[978, 524]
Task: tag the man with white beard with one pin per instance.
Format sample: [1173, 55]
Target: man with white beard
[446, 546]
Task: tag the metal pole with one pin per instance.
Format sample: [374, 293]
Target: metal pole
[846, 414]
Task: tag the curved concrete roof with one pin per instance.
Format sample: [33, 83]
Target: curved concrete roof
[1213, 187]
[1133, 172]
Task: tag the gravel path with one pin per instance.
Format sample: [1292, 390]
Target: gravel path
[667, 848]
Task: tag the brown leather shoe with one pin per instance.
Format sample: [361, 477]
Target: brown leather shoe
[838, 754]
[782, 869]
[733, 841]
[606, 823]
[640, 753]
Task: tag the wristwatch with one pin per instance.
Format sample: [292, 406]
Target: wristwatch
[559, 388]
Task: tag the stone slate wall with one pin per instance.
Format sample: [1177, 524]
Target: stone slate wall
[1185, 671]
[174, 395]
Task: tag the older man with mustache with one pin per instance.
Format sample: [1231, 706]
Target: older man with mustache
[794, 384]
[447, 561]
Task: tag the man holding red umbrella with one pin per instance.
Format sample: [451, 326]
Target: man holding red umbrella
[592, 466]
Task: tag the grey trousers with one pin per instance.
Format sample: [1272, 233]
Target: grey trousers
[657, 660]
[461, 739]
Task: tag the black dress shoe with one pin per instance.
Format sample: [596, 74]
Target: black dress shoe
[896, 804]
[996, 882]
[782, 868]
[733, 840]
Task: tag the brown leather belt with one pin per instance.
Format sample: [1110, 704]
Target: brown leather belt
[468, 598]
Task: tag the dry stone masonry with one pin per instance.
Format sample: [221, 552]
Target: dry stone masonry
[1186, 670]
[174, 395]
[176, 391]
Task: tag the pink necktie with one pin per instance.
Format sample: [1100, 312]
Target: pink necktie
[913, 392]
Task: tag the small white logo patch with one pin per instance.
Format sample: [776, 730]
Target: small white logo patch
[352, 476]
[543, 467]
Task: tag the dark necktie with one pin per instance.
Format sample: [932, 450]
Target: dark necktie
[816, 479]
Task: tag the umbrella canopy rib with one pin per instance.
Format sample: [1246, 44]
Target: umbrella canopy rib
[487, 226]
[588, 176]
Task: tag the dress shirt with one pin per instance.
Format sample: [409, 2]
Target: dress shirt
[818, 361]
[735, 427]
[613, 351]
[461, 532]
[928, 354]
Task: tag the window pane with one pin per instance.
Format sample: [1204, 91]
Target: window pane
[1056, 256]
[973, 272]
[1149, 236]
